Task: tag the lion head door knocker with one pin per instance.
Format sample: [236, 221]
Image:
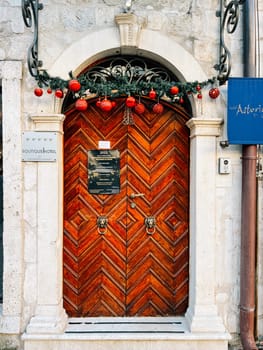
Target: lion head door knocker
[102, 223]
[150, 224]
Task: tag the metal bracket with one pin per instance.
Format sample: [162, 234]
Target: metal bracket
[30, 9]
[229, 18]
[224, 143]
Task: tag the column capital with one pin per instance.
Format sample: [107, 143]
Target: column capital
[10, 70]
[48, 121]
[204, 127]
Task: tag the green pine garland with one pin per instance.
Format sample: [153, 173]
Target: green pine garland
[122, 87]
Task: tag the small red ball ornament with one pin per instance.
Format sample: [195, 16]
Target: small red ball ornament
[181, 100]
[59, 93]
[106, 105]
[130, 101]
[98, 102]
[113, 103]
[74, 85]
[158, 108]
[139, 108]
[199, 96]
[198, 87]
[214, 93]
[174, 90]
[81, 104]
[152, 94]
[49, 91]
[38, 92]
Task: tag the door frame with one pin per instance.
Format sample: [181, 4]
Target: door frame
[202, 312]
[205, 128]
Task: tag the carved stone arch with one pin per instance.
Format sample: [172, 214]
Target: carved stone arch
[136, 68]
[153, 45]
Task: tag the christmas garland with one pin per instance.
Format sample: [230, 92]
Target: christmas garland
[82, 88]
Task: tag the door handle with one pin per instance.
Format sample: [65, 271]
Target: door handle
[134, 195]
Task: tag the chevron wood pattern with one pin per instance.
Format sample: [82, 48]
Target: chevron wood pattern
[126, 271]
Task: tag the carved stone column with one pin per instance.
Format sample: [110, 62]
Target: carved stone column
[50, 316]
[202, 312]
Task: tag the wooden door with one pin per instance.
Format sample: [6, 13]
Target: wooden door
[130, 269]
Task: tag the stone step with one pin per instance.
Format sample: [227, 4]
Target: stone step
[167, 333]
[126, 325]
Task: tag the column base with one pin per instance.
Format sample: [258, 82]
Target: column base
[48, 324]
[204, 319]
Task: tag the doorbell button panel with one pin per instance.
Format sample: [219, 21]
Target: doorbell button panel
[224, 166]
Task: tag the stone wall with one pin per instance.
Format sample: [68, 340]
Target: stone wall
[191, 24]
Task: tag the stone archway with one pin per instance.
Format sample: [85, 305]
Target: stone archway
[202, 314]
[152, 45]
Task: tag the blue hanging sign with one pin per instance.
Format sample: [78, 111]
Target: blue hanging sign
[245, 111]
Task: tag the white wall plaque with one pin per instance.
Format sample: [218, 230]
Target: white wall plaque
[104, 144]
[39, 146]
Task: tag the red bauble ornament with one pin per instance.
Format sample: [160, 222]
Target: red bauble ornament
[198, 87]
[59, 93]
[74, 85]
[49, 91]
[139, 108]
[38, 92]
[113, 103]
[158, 108]
[181, 100]
[152, 94]
[174, 90]
[98, 102]
[81, 104]
[130, 101]
[106, 105]
[199, 96]
[214, 93]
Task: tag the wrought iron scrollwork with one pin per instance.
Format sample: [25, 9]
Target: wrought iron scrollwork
[127, 74]
[229, 18]
[30, 9]
[129, 70]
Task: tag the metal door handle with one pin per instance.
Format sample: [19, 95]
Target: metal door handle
[134, 195]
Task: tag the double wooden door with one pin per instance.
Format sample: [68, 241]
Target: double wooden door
[137, 265]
